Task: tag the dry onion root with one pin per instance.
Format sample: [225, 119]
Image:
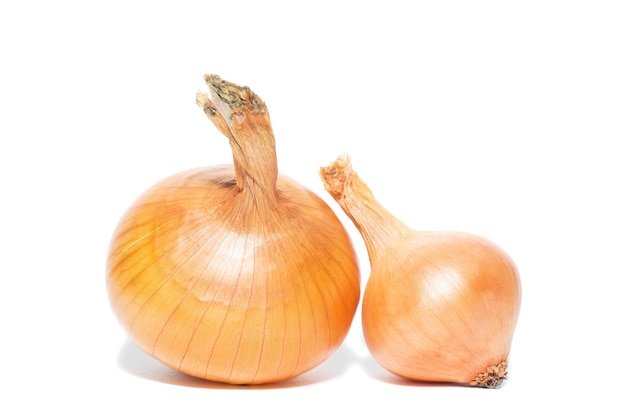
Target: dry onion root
[234, 273]
[438, 306]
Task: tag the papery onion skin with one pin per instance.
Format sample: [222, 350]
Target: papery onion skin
[441, 307]
[216, 279]
[437, 306]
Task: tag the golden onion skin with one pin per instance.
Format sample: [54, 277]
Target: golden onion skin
[442, 306]
[214, 286]
[437, 306]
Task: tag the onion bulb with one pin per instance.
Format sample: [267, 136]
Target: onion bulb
[437, 306]
[234, 273]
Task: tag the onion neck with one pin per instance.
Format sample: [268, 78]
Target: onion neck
[243, 118]
[378, 227]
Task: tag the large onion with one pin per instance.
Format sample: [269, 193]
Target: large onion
[234, 273]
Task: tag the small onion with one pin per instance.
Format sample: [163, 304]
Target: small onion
[438, 306]
[234, 273]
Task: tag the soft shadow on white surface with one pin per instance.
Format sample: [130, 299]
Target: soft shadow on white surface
[136, 362]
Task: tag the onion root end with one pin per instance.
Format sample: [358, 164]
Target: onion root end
[492, 377]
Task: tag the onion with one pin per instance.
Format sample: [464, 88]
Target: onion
[234, 273]
[438, 306]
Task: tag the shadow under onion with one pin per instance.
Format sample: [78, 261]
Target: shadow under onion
[136, 362]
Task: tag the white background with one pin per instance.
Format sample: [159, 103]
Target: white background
[505, 119]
